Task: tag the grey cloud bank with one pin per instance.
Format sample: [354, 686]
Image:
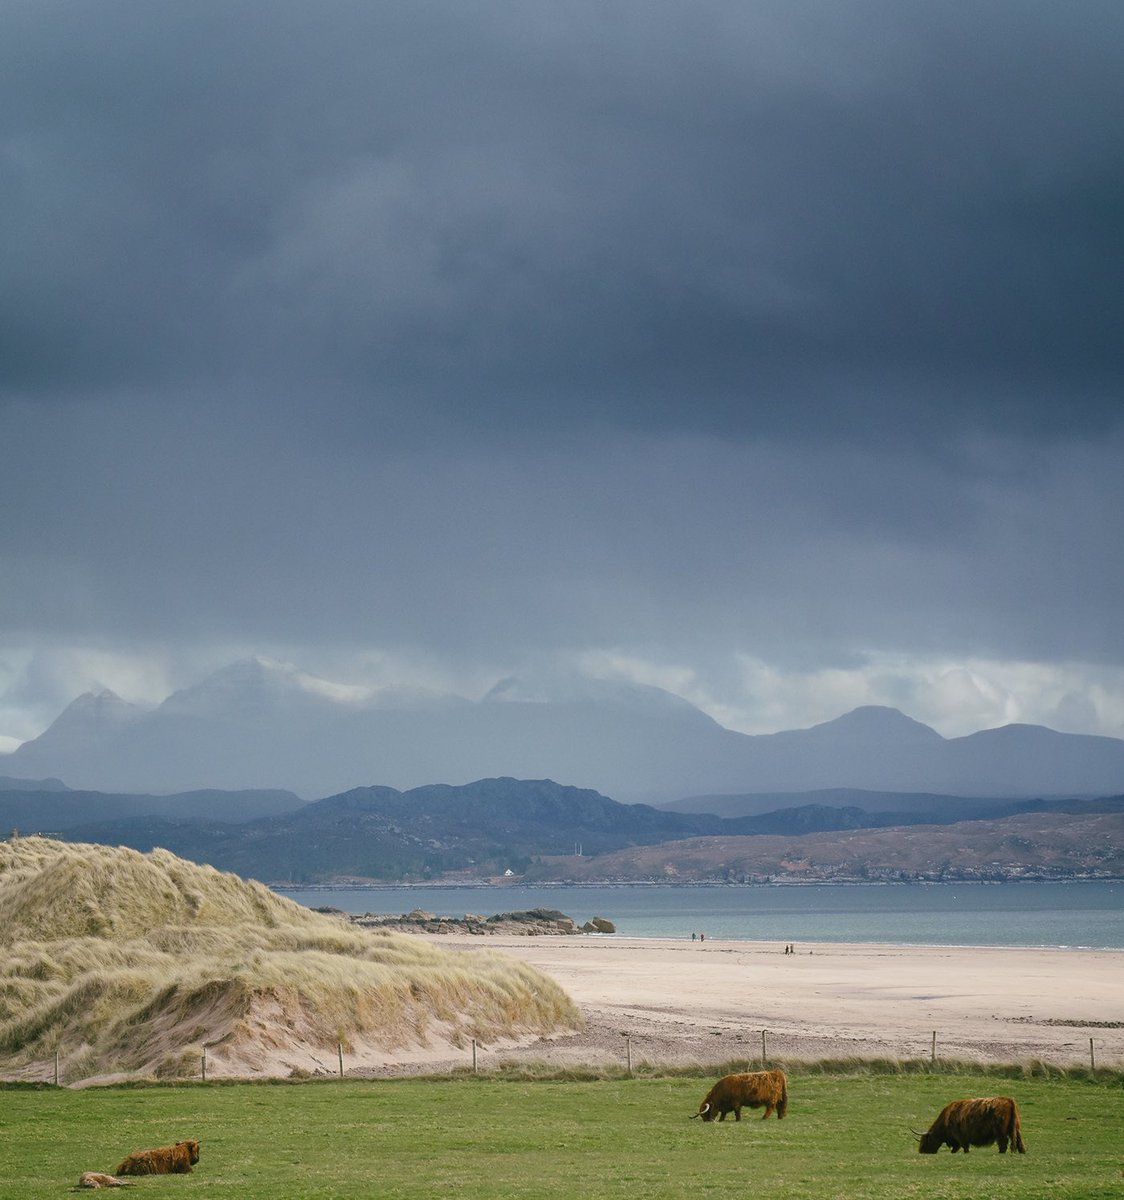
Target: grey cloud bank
[768, 353]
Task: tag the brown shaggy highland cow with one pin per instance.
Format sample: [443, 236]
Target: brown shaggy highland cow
[177, 1159]
[757, 1089]
[97, 1179]
[978, 1122]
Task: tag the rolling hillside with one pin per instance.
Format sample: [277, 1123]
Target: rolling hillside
[493, 826]
[1041, 845]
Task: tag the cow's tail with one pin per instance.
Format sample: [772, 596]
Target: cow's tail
[782, 1102]
[1016, 1136]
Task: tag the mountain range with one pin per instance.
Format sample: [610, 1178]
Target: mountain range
[263, 725]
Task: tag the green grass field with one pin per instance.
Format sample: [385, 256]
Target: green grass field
[845, 1136]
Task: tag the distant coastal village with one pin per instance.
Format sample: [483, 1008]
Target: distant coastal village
[997, 873]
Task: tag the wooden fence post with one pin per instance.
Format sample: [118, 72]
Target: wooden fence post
[628, 1051]
[57, 1067]
[339, 1049]
[1092, 1057]
[203, 1063]
[474, 1056]
[933, 1049]
[764, 1049]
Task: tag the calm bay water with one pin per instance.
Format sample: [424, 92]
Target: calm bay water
[963, 914]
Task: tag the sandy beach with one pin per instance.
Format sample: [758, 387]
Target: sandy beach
[680, 1001]
[677, 1002]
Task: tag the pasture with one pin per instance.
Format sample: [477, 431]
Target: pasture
[477, 1137]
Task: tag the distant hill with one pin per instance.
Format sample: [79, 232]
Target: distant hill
[1040, 845]
[9, 784]
[886, 808]
[32, 809]
[261, 724]
[481, 829]
[487, 827]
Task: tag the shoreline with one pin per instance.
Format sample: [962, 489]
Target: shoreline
[1081, 915]
[578, 885]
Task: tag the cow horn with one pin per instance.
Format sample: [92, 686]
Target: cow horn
[917, 1135]
[703, 1109]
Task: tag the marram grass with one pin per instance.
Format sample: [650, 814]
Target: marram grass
[129, 963]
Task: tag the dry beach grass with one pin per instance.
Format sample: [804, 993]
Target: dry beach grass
[131, 964]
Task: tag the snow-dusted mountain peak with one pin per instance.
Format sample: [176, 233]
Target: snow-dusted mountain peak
[95, 712]
[571, 688]
[261, 682]
[92, 718]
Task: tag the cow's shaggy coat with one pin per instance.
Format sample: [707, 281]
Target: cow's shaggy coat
[176, 1159]
[755, 1089]
[977, 1122]
[97, 1179]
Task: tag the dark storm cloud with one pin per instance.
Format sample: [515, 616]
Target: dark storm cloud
[732, 218]
[161, 526]
[782, 329]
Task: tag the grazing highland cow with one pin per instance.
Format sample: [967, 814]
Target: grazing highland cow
[979, 1122]
[163, 1160]
[757, 1089]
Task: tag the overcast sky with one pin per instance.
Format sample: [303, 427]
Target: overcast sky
[771, 352]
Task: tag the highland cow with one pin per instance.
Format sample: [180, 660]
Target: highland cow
[979, 1122]
[757, 1089]
[96, 1179]
[177, 1159]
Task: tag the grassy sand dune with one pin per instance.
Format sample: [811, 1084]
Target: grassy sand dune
[130, 964]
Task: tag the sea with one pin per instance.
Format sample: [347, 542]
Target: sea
[1078, 914]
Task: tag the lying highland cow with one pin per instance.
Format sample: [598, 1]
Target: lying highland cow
[979, 1122]
[757, 1089]
[177, 1159]
[96, 1179]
